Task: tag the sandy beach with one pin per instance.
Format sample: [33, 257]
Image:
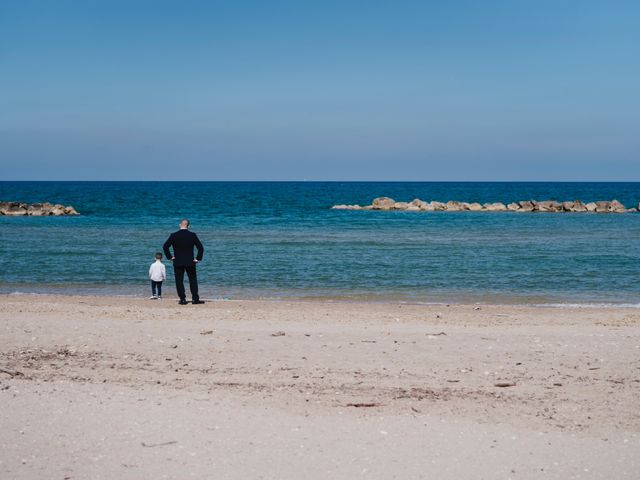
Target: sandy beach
[115, 387]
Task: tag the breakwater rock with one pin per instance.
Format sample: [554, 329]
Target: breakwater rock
[35, 209]
[417, 205]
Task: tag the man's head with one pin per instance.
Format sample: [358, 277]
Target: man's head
[158, 256]
[184, 224]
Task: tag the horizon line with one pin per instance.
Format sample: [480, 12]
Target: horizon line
[317, 181]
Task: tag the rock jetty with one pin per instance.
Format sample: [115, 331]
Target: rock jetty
[417, 205]
[35, 209]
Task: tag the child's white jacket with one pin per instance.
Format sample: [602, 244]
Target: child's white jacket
[157, 272]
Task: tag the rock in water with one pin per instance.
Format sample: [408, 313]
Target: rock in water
[495, 207]
[526, 206]
[578, 206]
[57, 210]
[453, 206]
[548, 206]
[35, 209]
[72, 211]
[383, 203]
[616, 207]
[14, 209]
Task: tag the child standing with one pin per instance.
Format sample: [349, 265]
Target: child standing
[157, 274]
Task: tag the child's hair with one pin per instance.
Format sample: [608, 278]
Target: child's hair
[158, 255]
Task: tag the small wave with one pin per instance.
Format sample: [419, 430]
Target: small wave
[585, 305]
[72, 294]
[17, 293]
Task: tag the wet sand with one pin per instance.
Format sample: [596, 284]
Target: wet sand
[106, 387]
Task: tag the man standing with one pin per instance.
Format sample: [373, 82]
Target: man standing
[183, 242]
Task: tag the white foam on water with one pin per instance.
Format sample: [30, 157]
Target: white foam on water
[586, 305]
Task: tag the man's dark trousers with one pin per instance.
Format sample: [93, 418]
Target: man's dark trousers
[178, 271]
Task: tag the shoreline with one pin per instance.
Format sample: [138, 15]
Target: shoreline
[347, 299]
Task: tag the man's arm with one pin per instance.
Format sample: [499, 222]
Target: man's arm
[165, 247]
[199, 247]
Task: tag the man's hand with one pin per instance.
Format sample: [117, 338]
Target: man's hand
[173, 258]
[195, 260]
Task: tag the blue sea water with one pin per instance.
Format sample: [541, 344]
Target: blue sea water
[282, 240]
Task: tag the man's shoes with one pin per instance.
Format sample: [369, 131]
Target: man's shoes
[197, 302]
[153, 297]
[182, 302]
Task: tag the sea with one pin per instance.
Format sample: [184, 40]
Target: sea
[282, 240]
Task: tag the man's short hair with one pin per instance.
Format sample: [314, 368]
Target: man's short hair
[158, 255]
[184, 222]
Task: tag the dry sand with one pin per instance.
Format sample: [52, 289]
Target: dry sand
[122, 388]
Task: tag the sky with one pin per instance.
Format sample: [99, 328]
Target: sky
[327, 90]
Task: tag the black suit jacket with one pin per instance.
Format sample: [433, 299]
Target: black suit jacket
[183, 242]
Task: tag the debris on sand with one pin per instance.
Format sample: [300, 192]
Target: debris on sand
[151, 445]
[504, 384]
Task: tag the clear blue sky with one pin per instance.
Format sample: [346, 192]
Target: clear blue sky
[241, 90]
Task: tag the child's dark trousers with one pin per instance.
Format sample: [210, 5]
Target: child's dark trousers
[156, 286]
